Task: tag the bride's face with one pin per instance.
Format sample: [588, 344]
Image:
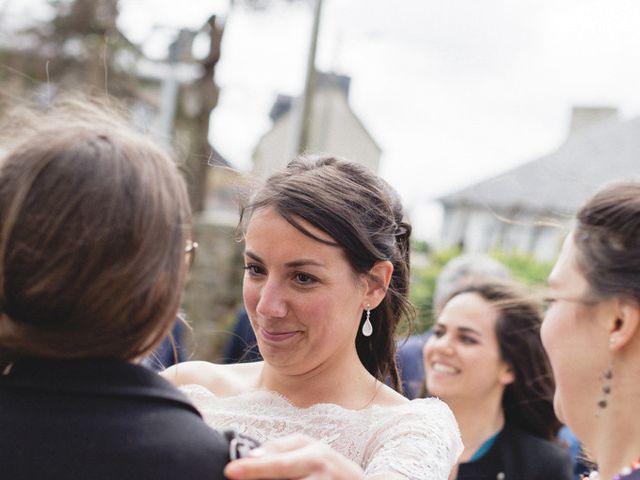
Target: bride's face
[302, 296]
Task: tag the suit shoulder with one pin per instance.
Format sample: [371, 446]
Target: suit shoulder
[535, 443]
[543, 454]
[182, 442]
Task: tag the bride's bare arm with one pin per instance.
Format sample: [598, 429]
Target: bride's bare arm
[186, 373]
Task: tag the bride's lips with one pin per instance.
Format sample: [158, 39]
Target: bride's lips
[277, 336]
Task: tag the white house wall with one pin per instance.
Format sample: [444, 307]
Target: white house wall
[549, 242]
[334, 129]
[479, 230]
[276, 148]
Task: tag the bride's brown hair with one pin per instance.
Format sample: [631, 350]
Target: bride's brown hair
[364, 217]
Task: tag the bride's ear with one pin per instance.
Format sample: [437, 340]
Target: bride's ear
[377, 282]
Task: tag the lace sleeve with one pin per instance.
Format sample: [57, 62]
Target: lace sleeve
[207, 404]
[419, 441]
[196, 393]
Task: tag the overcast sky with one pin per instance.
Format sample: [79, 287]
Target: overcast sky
[453, 91]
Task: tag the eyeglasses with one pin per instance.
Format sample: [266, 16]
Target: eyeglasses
[190, 252]
[548, 302]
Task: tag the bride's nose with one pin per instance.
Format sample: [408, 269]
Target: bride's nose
[271, 301]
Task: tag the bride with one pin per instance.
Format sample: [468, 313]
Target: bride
[325, 286]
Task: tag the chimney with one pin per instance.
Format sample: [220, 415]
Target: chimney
[583, 117]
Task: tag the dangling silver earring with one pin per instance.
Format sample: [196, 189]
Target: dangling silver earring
[367, 328]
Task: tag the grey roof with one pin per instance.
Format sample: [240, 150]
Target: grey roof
[280, 107]
[561, 181]
[283, 103]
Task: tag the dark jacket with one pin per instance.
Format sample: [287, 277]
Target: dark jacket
[241, 345]
[101, 419]
[519, 456]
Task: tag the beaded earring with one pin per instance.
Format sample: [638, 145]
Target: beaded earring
[606, 388]
[606, 378]
[367, 328]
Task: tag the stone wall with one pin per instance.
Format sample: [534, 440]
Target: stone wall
[214, 290]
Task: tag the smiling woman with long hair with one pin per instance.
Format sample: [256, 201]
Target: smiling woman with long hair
[486, 361]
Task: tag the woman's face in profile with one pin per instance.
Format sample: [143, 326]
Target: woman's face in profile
[461, 358]
[575, 338]
[302, 296]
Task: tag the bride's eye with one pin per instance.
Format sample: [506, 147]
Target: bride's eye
[304, 279]
[253, 270]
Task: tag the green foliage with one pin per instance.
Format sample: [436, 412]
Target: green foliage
[420, 246]
[524, 268]
[424, 275]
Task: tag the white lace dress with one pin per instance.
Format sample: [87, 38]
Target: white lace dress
[419, 440]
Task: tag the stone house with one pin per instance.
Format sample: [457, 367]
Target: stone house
[334, 128]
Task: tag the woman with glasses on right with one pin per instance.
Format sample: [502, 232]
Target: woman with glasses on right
[591, 330]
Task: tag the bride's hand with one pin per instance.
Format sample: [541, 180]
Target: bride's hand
[295, 456]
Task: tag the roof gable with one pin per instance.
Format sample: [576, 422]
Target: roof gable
[564, 179]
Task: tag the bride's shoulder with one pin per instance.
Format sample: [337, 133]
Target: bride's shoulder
[223, 380]
[388, 397]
